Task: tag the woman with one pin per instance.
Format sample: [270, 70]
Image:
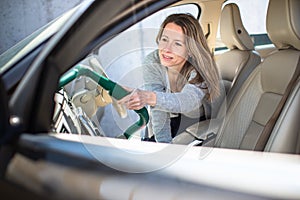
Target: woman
[179, 77]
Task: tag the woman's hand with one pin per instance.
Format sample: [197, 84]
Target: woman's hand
[137, 99]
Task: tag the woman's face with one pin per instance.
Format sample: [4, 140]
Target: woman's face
[172, 47]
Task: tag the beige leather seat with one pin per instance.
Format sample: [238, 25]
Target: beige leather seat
[234, 65]
[259, 96]
[238, 62]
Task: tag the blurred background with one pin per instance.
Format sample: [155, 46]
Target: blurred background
[19, 18]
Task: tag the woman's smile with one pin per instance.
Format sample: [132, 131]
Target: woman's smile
[167, 57]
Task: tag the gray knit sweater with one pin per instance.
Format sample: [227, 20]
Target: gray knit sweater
[187, 102]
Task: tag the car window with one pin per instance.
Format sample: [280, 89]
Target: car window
[121, 58]
[253, 14]
[137, 41]
[125, 62]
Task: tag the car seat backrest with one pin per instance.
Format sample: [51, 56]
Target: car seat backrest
[285, 136]
[257, 99]
[286, 133]
[239, 61]
[283, 24]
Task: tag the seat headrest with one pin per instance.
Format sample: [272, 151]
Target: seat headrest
[233, 33]
[283, 23]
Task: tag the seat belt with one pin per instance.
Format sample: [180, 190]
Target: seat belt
[264, 137]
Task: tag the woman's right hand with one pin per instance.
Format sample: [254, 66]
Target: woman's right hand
[138, 99]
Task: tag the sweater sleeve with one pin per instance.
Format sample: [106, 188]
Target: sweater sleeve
[186, 101]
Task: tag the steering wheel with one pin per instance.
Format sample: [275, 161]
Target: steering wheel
[115, 91]
[104, 96]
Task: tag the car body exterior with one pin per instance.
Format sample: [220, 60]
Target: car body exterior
[39, 163]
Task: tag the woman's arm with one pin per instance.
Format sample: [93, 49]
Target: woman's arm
[185, 101]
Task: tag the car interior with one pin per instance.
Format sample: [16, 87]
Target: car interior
[234, 65]
[260, 114]
[255, 126]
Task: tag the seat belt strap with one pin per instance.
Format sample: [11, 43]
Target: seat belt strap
[264, 137]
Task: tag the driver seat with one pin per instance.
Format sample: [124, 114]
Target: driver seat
[238, 62]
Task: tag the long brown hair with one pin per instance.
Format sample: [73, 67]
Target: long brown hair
[199, 58]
